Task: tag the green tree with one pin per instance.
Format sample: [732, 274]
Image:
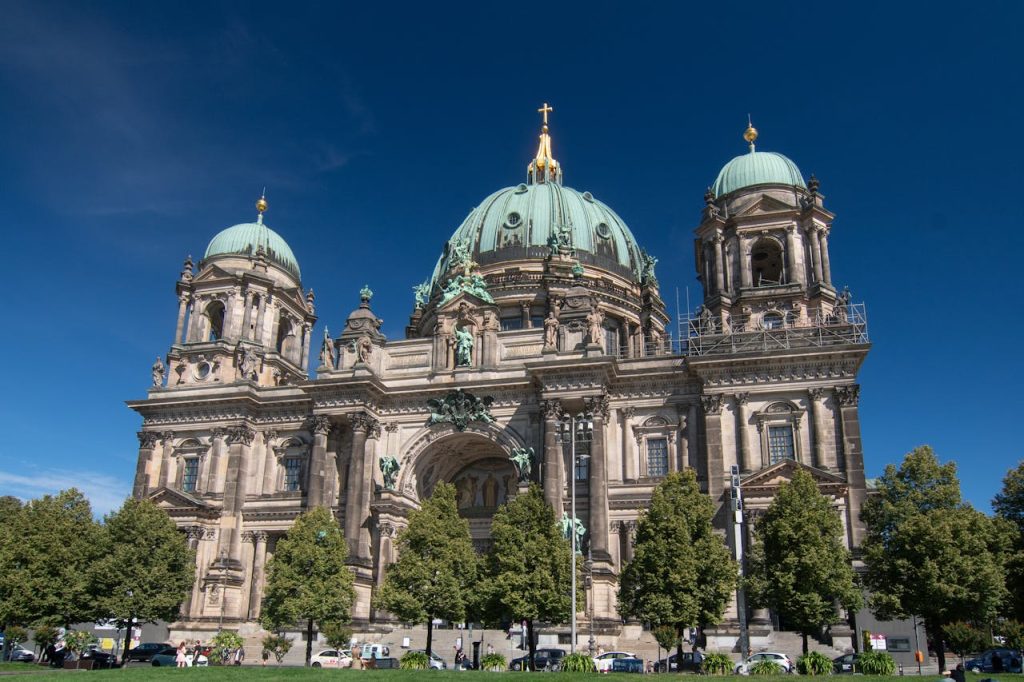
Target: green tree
[10, 511]
[963, 638]
[436, 569]
[278, 646]
[337, 635]
[307, 580]
[1009, 508]
[528, 568]
[928, 553]
[681, 573]
[146, 570]
[45, 574]
[799, 565]
[1009, 502]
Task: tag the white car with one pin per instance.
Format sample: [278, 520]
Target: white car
[331, 658]
[604, 662]
[436, 662]
[782, 659]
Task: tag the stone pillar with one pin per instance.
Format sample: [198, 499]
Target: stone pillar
[742, 432]
[629, 468]
[826, 268]
[165, 459]
[598, 407]
[552, 473]
[816, 254]
[260, 312]
[684, 446]
[240, 442]
[795, 275]
[853, 459]
[259, 559]
[182, 309]
[147, 443]
[713, 435]
[247, 317]
[719, 265]
[818, 419]
[305, 347]
[746, 276]
[194, 535]
[692, 444]
[320, 426]
[213, 485]
[357, 498]
[331, 470]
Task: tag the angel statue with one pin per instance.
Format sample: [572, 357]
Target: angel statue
[567, 525]
[389, 469]
[522, 458]
[327, 351]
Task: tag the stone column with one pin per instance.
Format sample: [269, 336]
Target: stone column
[713, 435]
[320, 426]
[182, 309]
[826, 268]
[247, 316]
[552, 473]
[692, 444]
[231, 319]
[194, 535]
[598, 407]
[719, 265]
[357, 498]
[746, 276]
[629, 472]
[147, 443]
[165, 459]
[331, 469]
[213, 485]
[684, 446]
[259, 558]
[795, 275]
[818, 419]
[816, 254]
[240, 439]
[853, 459]
[305, 347]
[742, 432]
[260, 312]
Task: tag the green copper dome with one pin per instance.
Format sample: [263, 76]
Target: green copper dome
[519, 222]
[757, 168]
[245, 239]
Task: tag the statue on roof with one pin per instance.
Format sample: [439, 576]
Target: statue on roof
[522, 458]
[422, 293]
[647, 276]
[463, 348]
[158, 372]
[327, 351]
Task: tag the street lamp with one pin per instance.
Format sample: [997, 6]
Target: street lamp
[575, 429]
[588, 566]
[737, 528]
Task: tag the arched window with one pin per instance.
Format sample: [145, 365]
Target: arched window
[766, 263]
[772, 321]
[215, 320]
[284, 335]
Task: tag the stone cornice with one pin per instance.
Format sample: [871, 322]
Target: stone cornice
[792, 367]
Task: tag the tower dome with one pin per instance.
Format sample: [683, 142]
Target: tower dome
[245, 239]
[756, 168]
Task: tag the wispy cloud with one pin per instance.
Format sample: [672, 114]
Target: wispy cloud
[105, 492]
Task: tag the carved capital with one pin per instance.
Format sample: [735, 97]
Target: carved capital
[552, 409]
[219, 433]
[598, 406]
[741, 398]
[848, 396]
[816, 394]
[365, 423]
[247, 536]
[166, 437]
[388, 530]
[628, 411]
[194, 532]
[148, 439]
[241, 434]
[712, 403]
[320, 425]
[269, 435]
[391, 427]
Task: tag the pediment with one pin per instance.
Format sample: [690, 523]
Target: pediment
[168, 498]
[765, 204]
[212, 273]
[466, 298]
[764, 483]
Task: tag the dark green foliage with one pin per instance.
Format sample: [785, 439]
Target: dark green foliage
[44, 636]
[681, 574]
[224, 644]
[928, 553]
[765, 667]
[415, 660]
[716, 664]
[1009, 502]
[528, 568]
[14, 634]
[277, 646]
[876, 663]
[337, 635]
[666, 636]
[814, 663]
[493, 661]
[1013, 634]
[436, 571]
[307, 580]
[1009, 507]
[577, 663]
[799, 565]
[964, 638]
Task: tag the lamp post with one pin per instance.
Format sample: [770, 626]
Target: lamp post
[575, 429]
[588, 566]
[737, 528]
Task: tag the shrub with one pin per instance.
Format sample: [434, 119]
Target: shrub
[15, 634]
[415, 660]
[78, 641]
[666, 636]
[44, 636]
[337, 635]
[876, 663]
[814, 663]
[277, 646]
[224, 644]
[765, 667]
[493, 662]
[577, 663]
[716, 664]
[1013, 633]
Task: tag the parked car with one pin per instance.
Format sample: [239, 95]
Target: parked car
[143, 652]
[627, 665]
[603, 663]
[331, 658]
[692, 661]
[847, 663]
[998, 660]
[543, 659]
[436, 662]
[782, 659]
[20, 654]
[100, 659]
[166, 656]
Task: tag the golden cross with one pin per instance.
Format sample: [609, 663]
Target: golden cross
[545, 110]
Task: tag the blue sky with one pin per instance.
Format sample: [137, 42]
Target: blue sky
[131, 133]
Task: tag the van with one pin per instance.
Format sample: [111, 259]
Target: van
[376, 651]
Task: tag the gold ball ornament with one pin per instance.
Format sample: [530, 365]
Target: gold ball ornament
[750, 134]
[261, 204]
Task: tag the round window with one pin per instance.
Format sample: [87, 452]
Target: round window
[203, 370]
[588, 196]
[603, 231]
[513, 220]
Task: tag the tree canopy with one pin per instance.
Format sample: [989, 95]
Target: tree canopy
[799, 565]
[927, 553]
[681, 574]
[436, 571]
[528, 569]
[307, 580]
[1009, 508]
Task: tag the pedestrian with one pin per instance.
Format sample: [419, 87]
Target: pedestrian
[265, 656]
[460, 659]
[179, 657]
[239, 655]
[490, 649]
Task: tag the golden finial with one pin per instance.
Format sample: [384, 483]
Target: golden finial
[261, 203]
[545, 110]
[750, 134]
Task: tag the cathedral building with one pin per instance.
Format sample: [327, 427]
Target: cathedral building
[539, 349]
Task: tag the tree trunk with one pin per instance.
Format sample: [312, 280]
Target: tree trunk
[679, 653]
[531, 647]
[309, 641]
[940, 653]
[127, 638]
[430, 633]
[804, 636]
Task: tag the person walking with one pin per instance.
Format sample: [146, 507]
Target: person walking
[239, 655]
[179, 657]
